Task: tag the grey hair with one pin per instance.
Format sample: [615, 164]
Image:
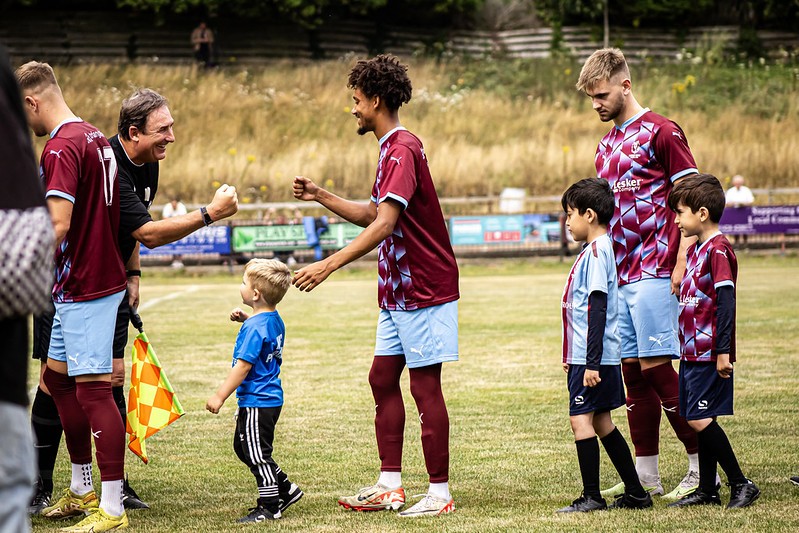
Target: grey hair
[135, 110]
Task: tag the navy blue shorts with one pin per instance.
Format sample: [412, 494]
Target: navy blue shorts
[606, 396]
[703, 393]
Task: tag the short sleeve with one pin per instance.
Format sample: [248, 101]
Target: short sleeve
[398, 180]
[720, 268]
[249, 344]
[61, 169]
[133, 213]
[596, 271]
[673, 152]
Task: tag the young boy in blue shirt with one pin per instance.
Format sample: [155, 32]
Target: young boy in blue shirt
[255, 377]
[591, 348]
[707, 338]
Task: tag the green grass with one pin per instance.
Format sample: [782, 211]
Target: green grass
[512, 454]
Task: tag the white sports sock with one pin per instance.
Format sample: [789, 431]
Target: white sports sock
[693, 462]
[440, 490]
[111, 498]
[647, 468]
[81, 483]
[391, 480]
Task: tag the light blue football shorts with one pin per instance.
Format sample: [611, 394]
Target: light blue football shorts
[648, 315]
[83, 334]
[425, 336]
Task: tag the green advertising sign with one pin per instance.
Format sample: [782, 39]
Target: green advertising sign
[282, 238]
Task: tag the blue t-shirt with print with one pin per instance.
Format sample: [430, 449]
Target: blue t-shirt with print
[260, 343]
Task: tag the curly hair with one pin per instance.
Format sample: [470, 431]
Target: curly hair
[382, 76]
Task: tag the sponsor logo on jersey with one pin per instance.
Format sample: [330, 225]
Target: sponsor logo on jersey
[701, 404]
[690, 301]
[567, 305]
[626, 185]
[90, 137]
[579, 400]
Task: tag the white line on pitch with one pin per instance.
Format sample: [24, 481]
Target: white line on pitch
[155, 301]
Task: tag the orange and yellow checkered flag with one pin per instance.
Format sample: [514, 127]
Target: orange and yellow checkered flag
[152, 404]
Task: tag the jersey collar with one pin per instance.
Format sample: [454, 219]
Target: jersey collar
[699, 249]
[385, 137]
[65, 121]
[633, 119]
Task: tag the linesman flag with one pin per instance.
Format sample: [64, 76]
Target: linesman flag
[152, 404]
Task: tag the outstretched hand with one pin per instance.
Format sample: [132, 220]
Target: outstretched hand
[304, 189]
[310, 276]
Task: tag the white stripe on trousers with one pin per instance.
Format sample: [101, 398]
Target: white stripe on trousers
[252, 434]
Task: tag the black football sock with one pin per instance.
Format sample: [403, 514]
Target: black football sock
[722, 450]
[707, 465]
[588, 457]
[119, 399]
[619, 453]
[47, 429]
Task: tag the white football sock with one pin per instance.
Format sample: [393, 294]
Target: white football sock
[391, 480]
[81, 483]
[441, 490]
[693, 462]
[647, 468]
[111, 498]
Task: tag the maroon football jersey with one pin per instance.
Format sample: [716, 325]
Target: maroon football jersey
[78, 164]
[416, 264]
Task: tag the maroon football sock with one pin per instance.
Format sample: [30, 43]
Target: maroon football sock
[73, 419]
[664, 380]
[426, 391]
[643, 411]
[384, 378]
[109, 435]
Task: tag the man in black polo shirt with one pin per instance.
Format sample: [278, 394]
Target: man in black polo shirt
[144, 132]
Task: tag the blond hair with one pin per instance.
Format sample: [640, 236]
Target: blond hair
[271, 277]
[34, 77]
[603, 65]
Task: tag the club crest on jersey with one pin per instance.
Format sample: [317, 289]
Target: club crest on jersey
[635, 150]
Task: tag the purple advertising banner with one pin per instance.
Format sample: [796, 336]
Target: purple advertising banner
[760, 219]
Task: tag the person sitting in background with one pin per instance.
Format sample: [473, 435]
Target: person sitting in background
[174, 208]
[739, 195]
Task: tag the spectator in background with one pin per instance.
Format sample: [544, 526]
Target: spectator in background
[22, 207]
[202, 38]
[174, 208]
[739, 195]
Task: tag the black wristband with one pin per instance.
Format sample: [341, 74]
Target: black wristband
[131, 273]
[207, 220]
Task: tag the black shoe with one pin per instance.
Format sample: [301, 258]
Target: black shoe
[698, 497]
[40, 500]
[743, 494]
[290, 497]
[585, 504]
[628, 501]
[131, 500]
[795, 480]
[259, 514]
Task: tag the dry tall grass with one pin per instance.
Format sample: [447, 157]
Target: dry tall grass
[258, 127]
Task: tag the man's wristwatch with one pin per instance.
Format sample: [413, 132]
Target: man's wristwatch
[207, 220]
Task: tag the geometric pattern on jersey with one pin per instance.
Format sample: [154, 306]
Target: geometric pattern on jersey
[152, 404]
[710, 265]
[416, 264]
[593, 270]
[640, 159]
[78, 165]
[26, 253]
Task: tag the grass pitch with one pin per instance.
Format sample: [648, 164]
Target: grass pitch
[513, 461]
